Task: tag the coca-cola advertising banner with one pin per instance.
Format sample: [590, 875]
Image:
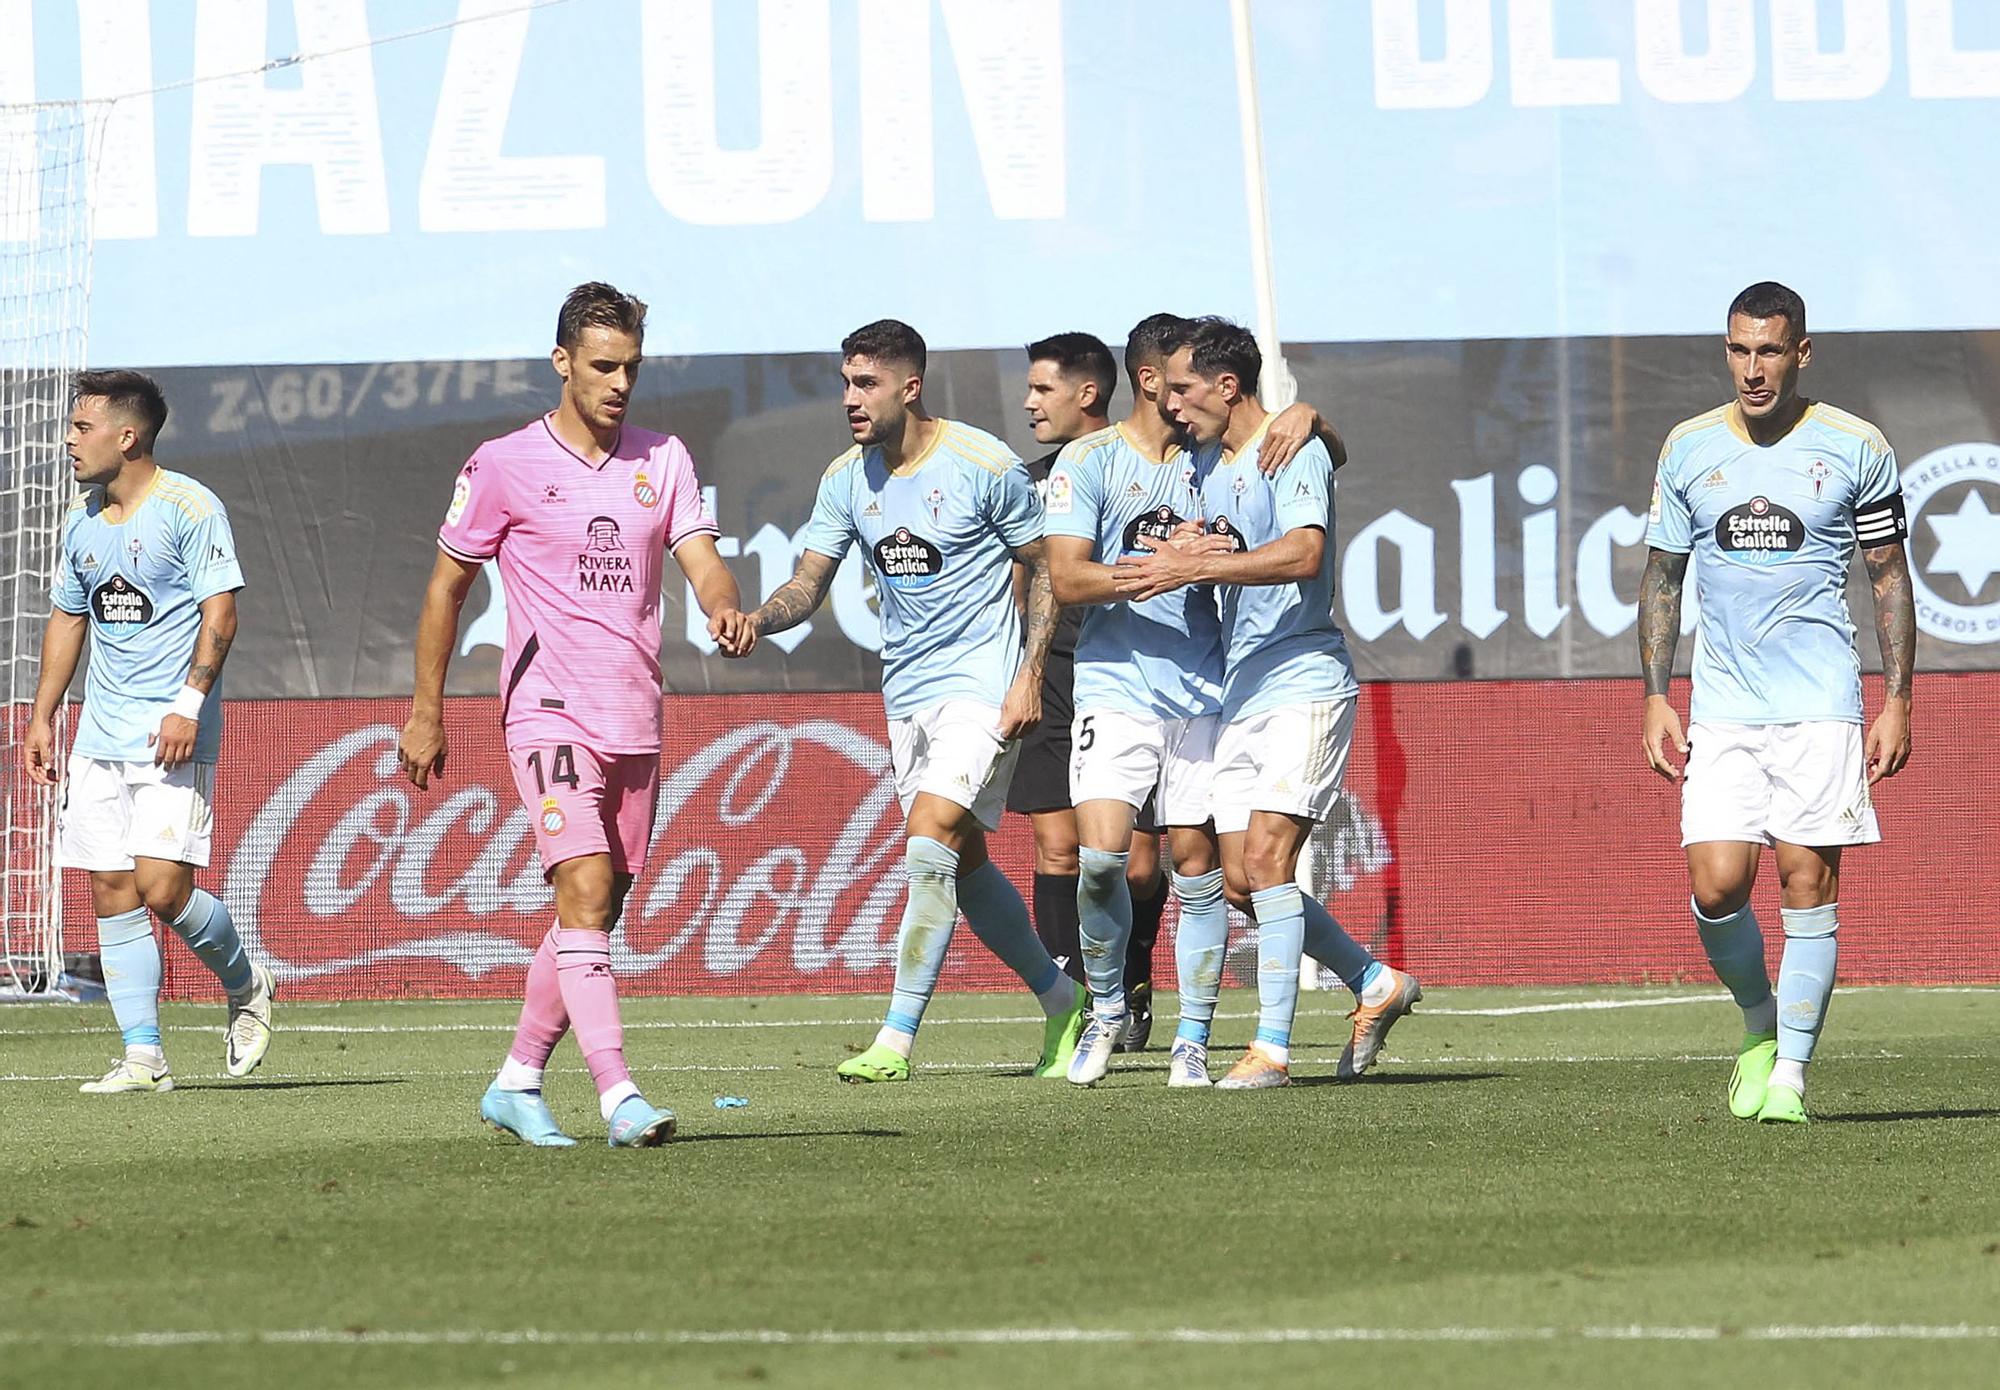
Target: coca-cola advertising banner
[1491, 523]
[1493, 832]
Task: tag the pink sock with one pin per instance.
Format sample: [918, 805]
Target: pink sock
[543, 1018]
[583, 969]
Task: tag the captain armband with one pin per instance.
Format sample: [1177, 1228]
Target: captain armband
[1881, 523]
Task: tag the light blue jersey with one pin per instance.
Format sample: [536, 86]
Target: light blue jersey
[141, 581]
[940, 534]
[1773, 529]
[1161, 658]
[1281, 644]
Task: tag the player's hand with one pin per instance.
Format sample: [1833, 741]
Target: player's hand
[38, 753]
[1022, 709]
[174, 743]
[1889, 741]
[1662, 726]
[1173, 564]
[732, 631]
[420, 751]
[1290, 430]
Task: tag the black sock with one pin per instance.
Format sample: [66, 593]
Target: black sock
[1146, 914]
[1056, 921]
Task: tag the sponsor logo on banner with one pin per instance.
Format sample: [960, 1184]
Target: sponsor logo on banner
[1952, 496]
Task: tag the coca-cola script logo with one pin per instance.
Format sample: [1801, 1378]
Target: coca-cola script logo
[775, 854]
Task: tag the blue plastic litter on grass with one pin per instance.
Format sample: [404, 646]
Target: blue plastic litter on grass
[731, 1102]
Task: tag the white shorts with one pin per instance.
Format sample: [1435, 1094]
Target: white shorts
[1805, 784]
[954, 750]
[1289, 760]
[1118, 756]
[114, 811]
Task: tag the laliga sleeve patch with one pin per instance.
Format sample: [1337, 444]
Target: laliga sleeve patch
[1061, 496]
[1653, 516]
[1880, 523]
[461, 497]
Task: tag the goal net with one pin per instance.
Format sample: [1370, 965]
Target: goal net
[46, 158]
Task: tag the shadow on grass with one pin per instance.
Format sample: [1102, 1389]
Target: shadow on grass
[288, 1085]
[712, 1136]
[1883, 1117]
[1402, 1078]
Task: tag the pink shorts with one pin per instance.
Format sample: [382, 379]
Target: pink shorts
[581, 802]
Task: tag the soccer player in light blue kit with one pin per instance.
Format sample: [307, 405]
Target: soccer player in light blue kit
[1771, 495]
[942, 511]
[148, 567]
[1288, 688]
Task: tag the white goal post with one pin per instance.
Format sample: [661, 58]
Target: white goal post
[47, 157]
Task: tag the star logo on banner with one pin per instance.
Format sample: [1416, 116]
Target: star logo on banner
[1968, 543]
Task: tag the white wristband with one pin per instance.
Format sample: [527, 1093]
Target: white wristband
[188, 703]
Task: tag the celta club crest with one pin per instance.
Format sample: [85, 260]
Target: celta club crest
[602, 535]
[1819, 473]
[935, 501]
[134, 549]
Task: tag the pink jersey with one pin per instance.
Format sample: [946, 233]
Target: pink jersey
[581, 548]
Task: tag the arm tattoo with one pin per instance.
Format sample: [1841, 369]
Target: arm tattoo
[1660, 617]
[797, 598]
[1043, 611]
[1895, 615]
[210, 651]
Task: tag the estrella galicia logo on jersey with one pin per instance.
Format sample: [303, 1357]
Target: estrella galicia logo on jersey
[907, 560]
[1759, 528]
[1222, 526]
[1159, 524]
[117, 603]
[604, 567]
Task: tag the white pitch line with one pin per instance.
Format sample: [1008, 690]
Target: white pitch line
[1008, 1336]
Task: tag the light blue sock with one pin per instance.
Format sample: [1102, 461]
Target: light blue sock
[1336, 950]
[1104, 924]
[998, 917]
[1735, 947]
[1281, 932]
[929, 914]
[210, 932]
[1198, 949]
[131, 959]
[1805, 978]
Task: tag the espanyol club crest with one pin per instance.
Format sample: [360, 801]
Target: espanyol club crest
[552, 817]
[643, 491]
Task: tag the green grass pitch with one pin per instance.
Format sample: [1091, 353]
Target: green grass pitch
[1521, 1195]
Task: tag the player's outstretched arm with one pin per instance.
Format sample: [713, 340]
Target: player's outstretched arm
[62, 648]
[173, 744]
[795, 600]
[1021, 710]
[1659, 634]
[421, 749]
[715, 590]
[1290, 430]
[1211, 559]
[1896, 630]
[1074, 578]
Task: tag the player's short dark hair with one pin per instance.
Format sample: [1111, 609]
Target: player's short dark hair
[1767, 299]
[1151, 340]
[1219, 346]
[128, 393]
[887, 340]
[595, 304]
[1078, 356]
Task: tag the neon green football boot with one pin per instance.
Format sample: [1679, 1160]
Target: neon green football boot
[878, 1063]
[1059, 1037]
[1782, 1106]
[1755, 1057]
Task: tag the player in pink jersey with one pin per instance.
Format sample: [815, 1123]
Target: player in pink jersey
[580, 510]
